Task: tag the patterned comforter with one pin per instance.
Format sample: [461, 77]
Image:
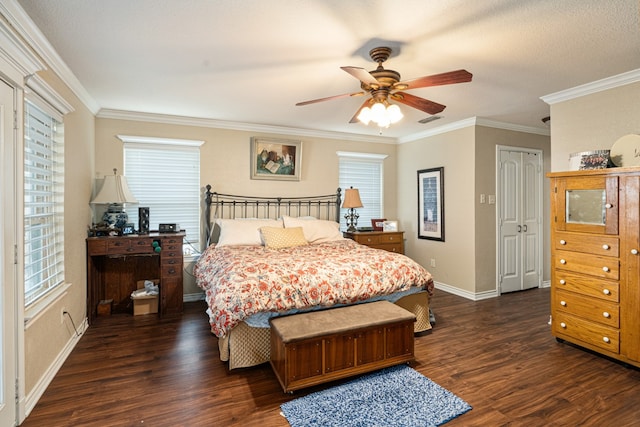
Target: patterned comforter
[240, 281]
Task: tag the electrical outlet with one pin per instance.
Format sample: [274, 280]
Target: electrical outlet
[482, 198]
[433, 262]
[62, 314]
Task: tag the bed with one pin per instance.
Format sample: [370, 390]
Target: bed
[267, 257]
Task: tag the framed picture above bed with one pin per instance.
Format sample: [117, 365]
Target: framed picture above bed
[278, 159]
[431, 204]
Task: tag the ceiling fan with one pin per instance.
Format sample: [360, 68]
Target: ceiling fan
[384, 84]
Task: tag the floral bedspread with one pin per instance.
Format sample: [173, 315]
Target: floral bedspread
[240, 281]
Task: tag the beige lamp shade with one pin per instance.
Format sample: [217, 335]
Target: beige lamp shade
[114, 190]
[352, 198]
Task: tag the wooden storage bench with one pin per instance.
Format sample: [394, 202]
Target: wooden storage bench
[319, 346]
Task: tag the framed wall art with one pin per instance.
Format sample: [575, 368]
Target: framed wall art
[431, 204]
[278, 159]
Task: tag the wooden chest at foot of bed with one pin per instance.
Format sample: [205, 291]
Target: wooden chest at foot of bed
[319, 346]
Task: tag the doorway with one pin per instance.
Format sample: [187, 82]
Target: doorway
[519, 218]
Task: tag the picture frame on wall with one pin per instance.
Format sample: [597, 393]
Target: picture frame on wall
[276, 159]
[431, 204]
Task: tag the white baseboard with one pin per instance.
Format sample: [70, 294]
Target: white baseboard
[476, 296]
[36, 393]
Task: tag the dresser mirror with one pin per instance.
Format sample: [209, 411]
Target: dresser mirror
[586, 206]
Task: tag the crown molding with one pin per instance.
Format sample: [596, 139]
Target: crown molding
[250, 127]
[612, 82]
[31, 34]
[13, 48]
[472, 121]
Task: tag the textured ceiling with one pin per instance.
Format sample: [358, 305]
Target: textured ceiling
[250, 61]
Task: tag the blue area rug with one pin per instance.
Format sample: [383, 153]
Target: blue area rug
[396, 396]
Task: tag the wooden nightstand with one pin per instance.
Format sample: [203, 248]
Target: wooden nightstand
[392, 241]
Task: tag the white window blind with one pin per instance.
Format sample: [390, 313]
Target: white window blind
[365, 172]
[43, 201]
[165, 178]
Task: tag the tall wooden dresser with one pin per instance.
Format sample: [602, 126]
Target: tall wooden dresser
[595, 265]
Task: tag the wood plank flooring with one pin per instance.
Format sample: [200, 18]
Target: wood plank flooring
[497, 354]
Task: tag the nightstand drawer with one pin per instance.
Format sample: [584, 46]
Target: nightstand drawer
[393, 247]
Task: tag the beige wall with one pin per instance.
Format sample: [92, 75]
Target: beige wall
[46, 336]
[466, 260]
[455, 257]
[225, 162]
[487, 138]
[593, 122]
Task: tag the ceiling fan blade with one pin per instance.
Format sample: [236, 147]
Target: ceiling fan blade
[363, 75]
[354, 119]
[329, 98]
[451, 77]
[416, 102]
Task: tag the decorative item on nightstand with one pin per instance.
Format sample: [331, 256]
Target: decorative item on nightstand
[352, 201]
[115, 193]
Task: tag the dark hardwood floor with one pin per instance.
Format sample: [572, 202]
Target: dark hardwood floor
[497, 354]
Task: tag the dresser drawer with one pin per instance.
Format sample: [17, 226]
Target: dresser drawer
[96, 247]
[119, 246]
[587, 285]
[595, 334]
[394, 247]
[369, 240]
[607, 313]
[605, 267]
[596, 245]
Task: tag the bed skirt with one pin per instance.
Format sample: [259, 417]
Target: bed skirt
[246, 346]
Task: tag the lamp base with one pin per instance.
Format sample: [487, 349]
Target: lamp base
[115, 216]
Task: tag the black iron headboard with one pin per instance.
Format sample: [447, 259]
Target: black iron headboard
[218, 205]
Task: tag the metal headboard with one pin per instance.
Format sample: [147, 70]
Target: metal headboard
[218, 205]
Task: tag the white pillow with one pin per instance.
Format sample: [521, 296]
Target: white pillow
[315, 230]
[243, 231]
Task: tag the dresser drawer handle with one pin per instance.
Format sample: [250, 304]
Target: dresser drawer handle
[563, 303]
[605, 247]
[606, 291]
[563, 242]
[562, 281]
[606, 339]
[369, 240]
[606, 315]
[563, 325]
[608, 206]
[605, 269]
[562, 261]
[634, 251]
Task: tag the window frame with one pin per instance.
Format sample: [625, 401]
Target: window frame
[41, 96]
[192, 241]
[365, 194]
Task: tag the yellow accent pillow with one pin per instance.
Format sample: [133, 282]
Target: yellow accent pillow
[280, 238]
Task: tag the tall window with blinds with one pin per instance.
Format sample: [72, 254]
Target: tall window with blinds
[43, 201]
[164, 175]
[363, 171]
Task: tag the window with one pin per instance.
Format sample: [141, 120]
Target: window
[365, 172]
[43, 199]
[164, 175]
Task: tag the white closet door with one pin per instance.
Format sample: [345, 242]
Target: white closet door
[519, 219]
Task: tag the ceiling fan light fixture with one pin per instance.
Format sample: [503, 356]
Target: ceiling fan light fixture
[365, 115]
[381, 114]
[394, 113]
